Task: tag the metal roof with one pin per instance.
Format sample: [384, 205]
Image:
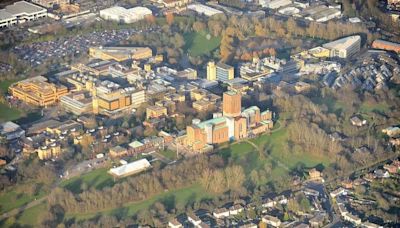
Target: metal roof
[23, 7]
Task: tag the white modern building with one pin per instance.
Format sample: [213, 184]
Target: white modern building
[130, 168]
[120, 14]
[20, 12]
[345, 47]
[203, 9]
[274, 4]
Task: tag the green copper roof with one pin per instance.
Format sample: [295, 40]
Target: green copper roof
[212, 122]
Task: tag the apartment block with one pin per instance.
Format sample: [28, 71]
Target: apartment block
[47, 152]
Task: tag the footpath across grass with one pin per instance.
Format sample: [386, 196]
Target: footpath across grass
[171, 199]
[28, 218]
[16, 197]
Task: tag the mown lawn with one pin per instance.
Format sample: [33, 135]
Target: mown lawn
[170, 154]
[6, 83]
[98, 179]
[8, 113]
[196, 43]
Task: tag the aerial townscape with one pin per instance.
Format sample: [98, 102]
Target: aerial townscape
[196, 113]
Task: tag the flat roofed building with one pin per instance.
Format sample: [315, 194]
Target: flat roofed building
[232, 104]
[10, 130]
[325, 15]
[78, 103]
[20, 12]
[155, 111]
[121, 14]
[50, 3]
[211, 71]
[130, 168]
[38, 91]
[113, 102]
[274, 4]
[120, 53]
[204, 10]
[175, 3]
[345, 47]
[203, 106]
[224, 72]
[138, 98]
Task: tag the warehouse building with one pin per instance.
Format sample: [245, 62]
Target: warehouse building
[345, 47]
[204, 10]
[130, 168]
[20, 12]
[274, 4]
[120, 14]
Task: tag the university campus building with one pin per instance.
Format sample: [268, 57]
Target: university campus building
[234, 124]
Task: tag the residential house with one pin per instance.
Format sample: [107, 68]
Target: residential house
[192, 218]
[220, 213]
[271, 220]
[357, 121]
[235, 209]
[352, 218]
[118, 151]
[174, 224]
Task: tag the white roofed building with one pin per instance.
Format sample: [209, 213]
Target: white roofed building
[203, 9]
[345, 47]
[20, 12]
[121, 14]
[130, 168]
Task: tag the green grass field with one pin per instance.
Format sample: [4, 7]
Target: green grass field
[368, 108]
[16, 197]
[28, 218]
[6, 83]
[171, 199]
[98, 179]
[170, 154]
[9, 113]
[197, 43]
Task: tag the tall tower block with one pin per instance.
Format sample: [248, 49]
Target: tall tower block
[232, 104]
[211, 71]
